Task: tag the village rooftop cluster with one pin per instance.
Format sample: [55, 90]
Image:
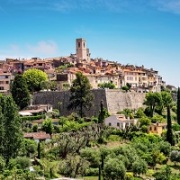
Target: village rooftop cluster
[63, 70]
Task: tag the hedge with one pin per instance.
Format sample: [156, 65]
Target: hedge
[31, 118]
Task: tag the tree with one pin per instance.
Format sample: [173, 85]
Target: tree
[140, 113]
[108, 85]
[178, 106]
[144, 121]
[139, 167]
[152, 100]
[102, 114]
[175, 156]
[47, 126]
[169, 127]
[20, 92]
[81, 96]
[114, 170]
[166, 100]
[34, 78]
[52, 85]
[10, 128]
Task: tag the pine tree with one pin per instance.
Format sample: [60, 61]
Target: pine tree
[81, 96]
[178, 105]
[169, 127]
[102, 114]
[20, 92]
[10, 128]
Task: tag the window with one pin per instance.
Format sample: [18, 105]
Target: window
[79, 44]
[6, 77]
[129, 78]
[7, 82]
[118, 124]
[155, 128]
[1, 88]
[109, 124]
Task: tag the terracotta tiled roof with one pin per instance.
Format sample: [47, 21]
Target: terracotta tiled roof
[37, 135]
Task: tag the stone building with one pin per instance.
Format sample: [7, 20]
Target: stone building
[82, 52]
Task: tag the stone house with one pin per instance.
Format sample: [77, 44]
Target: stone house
[157, 128]
[119, 121]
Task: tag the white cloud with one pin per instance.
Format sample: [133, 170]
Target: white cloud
[43, 48]
[40, 49]
[172, 6]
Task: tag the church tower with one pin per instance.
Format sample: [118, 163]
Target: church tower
[82, 52]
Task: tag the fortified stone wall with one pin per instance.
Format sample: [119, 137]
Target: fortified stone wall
[113, 100]
[117, 100]
[60, 100]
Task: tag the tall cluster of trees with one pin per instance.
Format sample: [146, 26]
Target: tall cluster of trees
[10, 128]
[81, 96]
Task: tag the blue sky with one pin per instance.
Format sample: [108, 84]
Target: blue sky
[138, 32]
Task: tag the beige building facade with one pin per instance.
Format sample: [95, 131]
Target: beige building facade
[5, 80]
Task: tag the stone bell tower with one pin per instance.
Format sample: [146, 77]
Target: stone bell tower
[82, 52]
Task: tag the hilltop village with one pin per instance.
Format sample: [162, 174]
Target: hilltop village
[75, 127]
[62, 70]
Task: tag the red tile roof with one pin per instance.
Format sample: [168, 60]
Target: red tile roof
[37, 135]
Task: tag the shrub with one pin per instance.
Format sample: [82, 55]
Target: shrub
[2, 163]
[31, 118]
[92, 172]
[114, 138]
[35, 127]
[22, 162]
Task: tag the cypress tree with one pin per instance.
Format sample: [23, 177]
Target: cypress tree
[178, 105]
[20, 92]
[169, 127]
[10, 128]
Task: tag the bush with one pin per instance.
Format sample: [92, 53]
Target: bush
[31, 118]
[114, 138]
[2, 163]
[92, 172]
[129, 176]
[22, 162]
[19, 163]
[157, 118]
[35, 127]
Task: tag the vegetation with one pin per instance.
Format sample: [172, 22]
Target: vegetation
[34, 79]
[81, 96]
[84, 147]
[152, 100]
[169, 127]
[52, 85]
[178, 105]
[20, 92]
[108, 85]
[10, 129]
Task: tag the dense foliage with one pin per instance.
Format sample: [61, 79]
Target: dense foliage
[10, 128]
[81, 96]
[34, 78]
[108, 85]
[178, 105]
[20, 92]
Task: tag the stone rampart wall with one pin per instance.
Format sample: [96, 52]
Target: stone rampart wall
[113, 100]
